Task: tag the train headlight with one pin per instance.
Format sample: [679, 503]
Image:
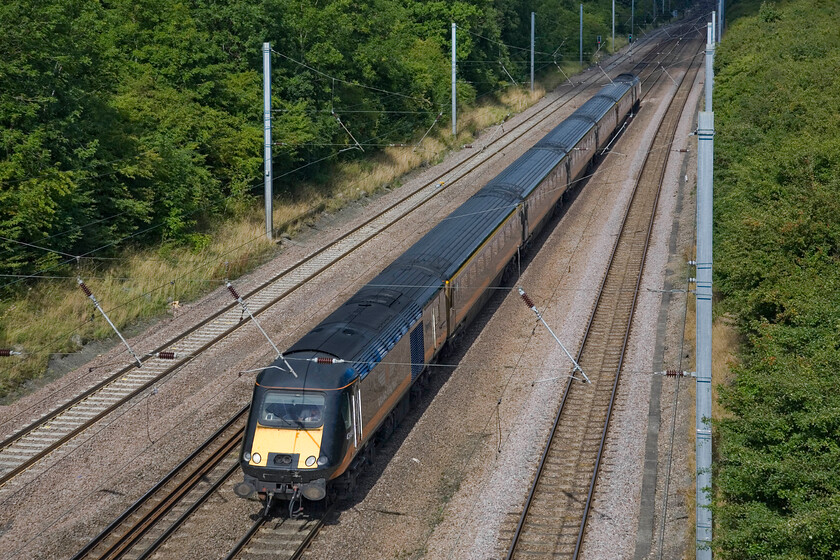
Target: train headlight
[323, 460]
[246, 456]
[257, 458]
[310, 460]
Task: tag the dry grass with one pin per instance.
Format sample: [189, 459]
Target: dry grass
[725, 344]
[55, 317]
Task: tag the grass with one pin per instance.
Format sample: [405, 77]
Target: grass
[54, 318]
[725, 344]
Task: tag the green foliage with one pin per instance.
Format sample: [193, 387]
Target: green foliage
[777, 244]
[142, 119]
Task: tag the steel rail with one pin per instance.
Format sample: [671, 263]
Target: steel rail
[246, 538]
[192, 509]
[131, 533]
[547, 448]
[568, 387]
[159, 541]
[660, 172]
[299, 546]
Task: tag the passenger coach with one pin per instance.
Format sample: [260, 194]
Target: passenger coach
[312, 433]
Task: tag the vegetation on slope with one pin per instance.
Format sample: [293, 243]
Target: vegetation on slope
[777, 251]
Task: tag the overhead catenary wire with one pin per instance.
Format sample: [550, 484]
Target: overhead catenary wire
[344, 111]
[199, 267]
[129, 302]
[579, 179]
[119, 470]
[527, 49]
[358, 145]
[210, 261]
[77, 228]
[107, 246]
[335, 79]
[23, 277]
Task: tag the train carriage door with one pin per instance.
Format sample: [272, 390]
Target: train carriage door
[356, 413]
[450, 309]
[418, 358]
[441, 326]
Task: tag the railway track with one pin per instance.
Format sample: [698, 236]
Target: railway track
[143, 527]
[553, 521]
[27, 447]
[281, 537]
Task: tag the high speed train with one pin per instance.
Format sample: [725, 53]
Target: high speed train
[312, 430]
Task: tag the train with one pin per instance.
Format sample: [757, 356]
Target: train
[318, 412]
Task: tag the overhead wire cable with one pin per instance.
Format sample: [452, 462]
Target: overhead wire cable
[418, 99]
[527, 49]
[108, 245]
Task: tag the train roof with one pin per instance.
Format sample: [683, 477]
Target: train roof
[378, 315]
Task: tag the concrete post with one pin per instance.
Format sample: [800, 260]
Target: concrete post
[454, 90]
[532, 52]
[269, 186]
[710, 65]
[581, 35]
[613, 25]
[703, 442]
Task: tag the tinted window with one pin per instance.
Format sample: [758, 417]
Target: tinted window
[286, 409]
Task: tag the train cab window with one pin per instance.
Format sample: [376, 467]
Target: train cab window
[345, 411]
[287, 409]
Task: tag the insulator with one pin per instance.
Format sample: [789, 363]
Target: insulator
[528, 301]
[167, 355]
[233, 291]
[325, 360]
[5, 352]
[84, 288]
